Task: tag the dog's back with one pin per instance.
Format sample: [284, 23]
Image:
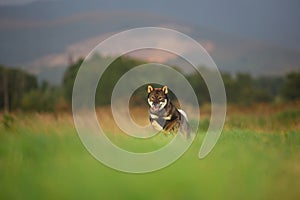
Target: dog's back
[184, 124]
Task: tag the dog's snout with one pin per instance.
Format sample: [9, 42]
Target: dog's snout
[156, 103]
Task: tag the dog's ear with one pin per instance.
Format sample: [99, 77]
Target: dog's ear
[165, 89]
[150, 89]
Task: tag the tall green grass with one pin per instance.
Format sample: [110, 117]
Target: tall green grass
[41, 157]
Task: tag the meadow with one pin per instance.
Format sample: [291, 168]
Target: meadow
[256, 157]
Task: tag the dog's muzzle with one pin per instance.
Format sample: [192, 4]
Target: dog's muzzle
[156, 106]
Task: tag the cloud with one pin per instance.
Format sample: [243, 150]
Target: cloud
[15, 2]
[8, 23]
[72, 53]
[181, 28]
[82, 48]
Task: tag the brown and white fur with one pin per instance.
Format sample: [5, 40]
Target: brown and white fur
[164, 116]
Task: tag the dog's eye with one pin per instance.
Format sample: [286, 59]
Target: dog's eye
[160, 98]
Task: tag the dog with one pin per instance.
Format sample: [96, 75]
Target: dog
[164, 116]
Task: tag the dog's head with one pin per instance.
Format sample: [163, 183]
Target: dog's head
[157, 97]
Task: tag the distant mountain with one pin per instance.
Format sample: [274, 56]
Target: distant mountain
[43, 37]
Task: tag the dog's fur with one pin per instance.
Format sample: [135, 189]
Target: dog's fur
[164, 116]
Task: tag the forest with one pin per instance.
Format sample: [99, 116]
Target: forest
[21, 91]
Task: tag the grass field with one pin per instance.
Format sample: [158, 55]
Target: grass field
[257, 157]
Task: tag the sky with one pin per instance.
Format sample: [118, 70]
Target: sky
[274, 21]
[14, 2]
[254, 34]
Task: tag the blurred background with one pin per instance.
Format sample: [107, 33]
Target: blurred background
[256, 46]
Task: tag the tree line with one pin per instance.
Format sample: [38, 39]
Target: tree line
[20, 90]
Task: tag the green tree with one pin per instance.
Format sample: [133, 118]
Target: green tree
[14, 85]
[69, 79]
[38, 100]
[291, 86]
[108, 79]
[199, 87]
